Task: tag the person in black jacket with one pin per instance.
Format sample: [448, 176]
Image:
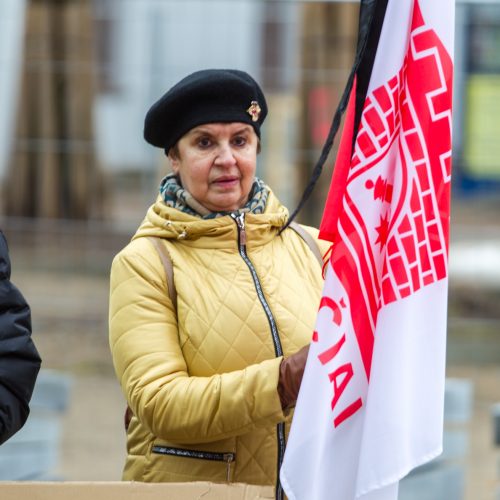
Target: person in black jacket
[19, 358]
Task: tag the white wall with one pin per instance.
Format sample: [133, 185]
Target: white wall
[157, 43]
[12, 13]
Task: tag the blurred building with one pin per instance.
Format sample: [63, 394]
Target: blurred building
[477, 92]
[119, 56]
[141, 48]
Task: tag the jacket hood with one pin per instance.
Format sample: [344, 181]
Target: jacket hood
[166, 222]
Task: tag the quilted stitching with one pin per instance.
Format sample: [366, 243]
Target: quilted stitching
[222, 325]
[249, 460]
[292, 313]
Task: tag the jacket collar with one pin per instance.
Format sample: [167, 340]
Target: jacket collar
[167, 222]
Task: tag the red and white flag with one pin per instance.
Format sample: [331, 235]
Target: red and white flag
[370, 407]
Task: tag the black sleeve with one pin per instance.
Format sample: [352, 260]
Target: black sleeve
[19, 359]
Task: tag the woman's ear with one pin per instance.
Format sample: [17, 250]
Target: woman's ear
[174, 162]
[174, 158]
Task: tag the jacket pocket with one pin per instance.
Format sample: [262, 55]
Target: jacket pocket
[172, 463]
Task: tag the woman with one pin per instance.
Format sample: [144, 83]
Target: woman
[211, 375]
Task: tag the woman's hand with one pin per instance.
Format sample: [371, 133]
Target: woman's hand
[291, 372]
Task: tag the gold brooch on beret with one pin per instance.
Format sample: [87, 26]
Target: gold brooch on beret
[254, 110]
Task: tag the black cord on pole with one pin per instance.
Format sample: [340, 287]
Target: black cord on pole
[318, 168]
[371, 17]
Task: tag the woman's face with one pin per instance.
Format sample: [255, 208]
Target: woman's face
[216, 163]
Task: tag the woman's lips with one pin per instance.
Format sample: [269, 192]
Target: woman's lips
[226, 182]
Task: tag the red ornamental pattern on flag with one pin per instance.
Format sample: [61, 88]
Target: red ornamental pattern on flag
[390, 248]
[376, 357]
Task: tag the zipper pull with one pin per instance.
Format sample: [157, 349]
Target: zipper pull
[240, 221]
[228, 458]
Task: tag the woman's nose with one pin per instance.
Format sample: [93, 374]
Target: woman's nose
[225, 155]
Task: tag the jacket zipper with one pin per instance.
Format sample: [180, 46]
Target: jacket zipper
[278, 349]
[228, 458]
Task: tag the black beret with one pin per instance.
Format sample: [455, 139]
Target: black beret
[206, 96]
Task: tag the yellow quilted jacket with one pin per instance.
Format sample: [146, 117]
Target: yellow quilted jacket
[201, 378]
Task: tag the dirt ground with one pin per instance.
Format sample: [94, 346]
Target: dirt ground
[482, 458]
[70, 331]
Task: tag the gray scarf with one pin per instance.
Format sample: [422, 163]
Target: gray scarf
[177, 197]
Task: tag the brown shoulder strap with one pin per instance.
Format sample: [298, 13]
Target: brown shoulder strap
[168, 266]
[172, 292]
[309, 240]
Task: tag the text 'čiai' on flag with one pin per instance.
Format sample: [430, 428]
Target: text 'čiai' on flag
[370, 408]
